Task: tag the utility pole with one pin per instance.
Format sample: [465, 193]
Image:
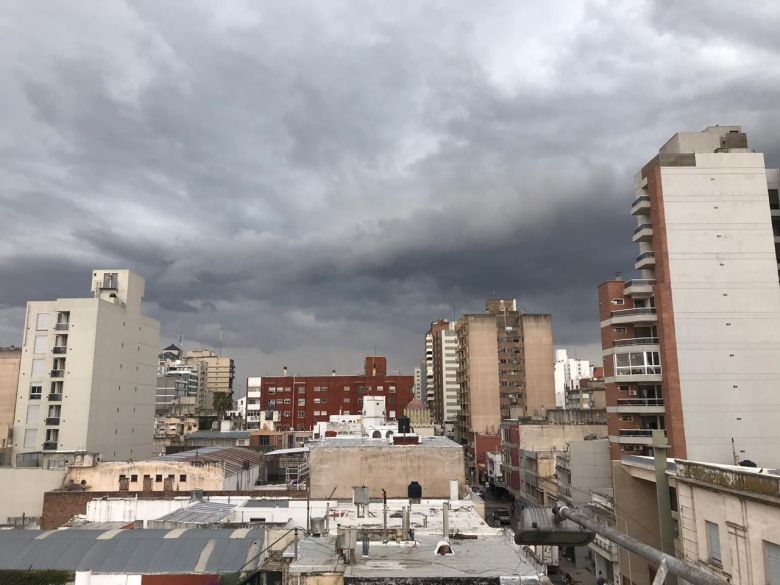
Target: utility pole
[660, 447]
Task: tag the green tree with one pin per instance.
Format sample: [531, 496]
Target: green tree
[222, 402]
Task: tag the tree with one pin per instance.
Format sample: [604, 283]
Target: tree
[222, 402]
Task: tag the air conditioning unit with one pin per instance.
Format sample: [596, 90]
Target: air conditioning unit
[632, 392]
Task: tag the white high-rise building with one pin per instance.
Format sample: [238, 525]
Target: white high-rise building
[429, 390]
[449, 387]
[87, 377]
[568, 373]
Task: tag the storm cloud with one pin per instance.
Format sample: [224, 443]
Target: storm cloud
[322, 179]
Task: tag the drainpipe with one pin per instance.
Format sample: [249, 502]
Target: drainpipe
[665, 524]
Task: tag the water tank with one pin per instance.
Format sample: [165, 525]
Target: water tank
[404, 427]
[414, 491]
[360, 494]
[318, 526]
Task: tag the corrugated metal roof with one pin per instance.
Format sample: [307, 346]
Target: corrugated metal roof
[212, 551]
[288, 451]
[233, 458]
[199, 513]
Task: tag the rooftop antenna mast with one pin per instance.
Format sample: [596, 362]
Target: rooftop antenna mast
[220, 339]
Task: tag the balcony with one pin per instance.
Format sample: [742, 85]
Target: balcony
[636, 432]
[639, 287]
[639, 373]
[643, 233]
[55, 397]
[57, 373]
[52, 420]
[638, 315]
[59, 349]
[641, 205]
[636, 341]
[633, 437]
[61, 326]
[605, 548]
[638, 406]
[645, 261]
[50, 445]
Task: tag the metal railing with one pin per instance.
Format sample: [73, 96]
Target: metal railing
[640, 282]
[52, 420]
[57, 373]
[59, 349]
[632, 312]
[639, 228]
[50, 445]
[640, 401]
[55, 397]
[644, 255]
[640, 199]
[636, 341]
[646, 370]
[636, 432]
[61, 326]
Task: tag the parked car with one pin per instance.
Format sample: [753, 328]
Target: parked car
[501, 517]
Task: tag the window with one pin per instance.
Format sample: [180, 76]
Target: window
[346, 388]
[286, 413]
[158, 478]
[301, 414]
[288, 401]
[713, 543]
[183, 477]
[30, 438]
[627, 417]
[272, 402]
[134, 478]
[619, 330]
[380, 388]
[52, 435]
[301, 389]
[772, 556]
[346, 399]
[265, 441]
[618, 302]
[316, 401]
[272, 390]
[301, 402]
[42, 322]
[33, 414]
[40, 343]
[37, 367]
[35, 391]
[391, 389]
[637, 363]
[324, 399]
[122, 477]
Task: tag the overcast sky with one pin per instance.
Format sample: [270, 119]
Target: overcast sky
[326, 178]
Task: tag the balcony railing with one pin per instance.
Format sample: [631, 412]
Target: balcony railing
[640, 199]
[644, 226]
[52, 420]
[55, 397]
[632, 312]
[50, 445]
[646, 370]
[640, 402]
[644, 255]
[636, 341]
[57, 373]
[59, 349]
[61, 326]
[636, 432]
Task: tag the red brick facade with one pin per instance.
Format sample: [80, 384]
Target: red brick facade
[304, 400]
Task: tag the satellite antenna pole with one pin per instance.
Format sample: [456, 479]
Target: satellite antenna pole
[220, 339]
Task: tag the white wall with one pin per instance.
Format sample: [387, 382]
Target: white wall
[23, 490]
[726, 300]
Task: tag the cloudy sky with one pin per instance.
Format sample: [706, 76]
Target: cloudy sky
[325, 178]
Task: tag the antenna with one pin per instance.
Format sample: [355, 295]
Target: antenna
[220, 339]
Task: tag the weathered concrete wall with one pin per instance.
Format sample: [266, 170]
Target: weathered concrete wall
[535, 437]
[23, 490]
[9, 379]
[388, 467]
[538, 355]
[105, 476]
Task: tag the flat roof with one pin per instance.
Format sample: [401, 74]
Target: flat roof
[178, 551]
[199, 513]
[352, 442]
[218, 435]
[233, 458]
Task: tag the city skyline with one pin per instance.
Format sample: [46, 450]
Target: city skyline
[326, 197]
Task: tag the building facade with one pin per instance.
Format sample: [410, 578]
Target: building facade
[10, 358]
[443, 344]
[302, 401]
[178, 384]
[693, 345]
[87, 376]
[568, 373]
[217, 374]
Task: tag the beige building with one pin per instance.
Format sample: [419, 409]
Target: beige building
[10, 358]
[87, 375]
[208, 468]
[217, 374]
[692, 345]
[339, 463]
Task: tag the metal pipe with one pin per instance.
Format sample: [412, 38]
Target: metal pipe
[384, 516]
[445, 519]
[662, 496]
[674, 565]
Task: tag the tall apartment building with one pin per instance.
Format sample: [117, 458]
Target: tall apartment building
[568, 373]
[505, 370]
[429, 398]
[445, 374]
[217, 374]
[87, 375]
[693, 344]
[10, 357]
[303, 401]
[178, 384]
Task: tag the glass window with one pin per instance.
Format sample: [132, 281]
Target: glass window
[346, 388]
[30, 438]
[33, 413]
[37, 367]
[301, 414]
[40, 344]
[772, 554]
[42, 322]
[35, 391]
[301, 401]
[713, 542]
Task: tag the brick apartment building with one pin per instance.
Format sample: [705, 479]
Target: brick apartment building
[304, 400]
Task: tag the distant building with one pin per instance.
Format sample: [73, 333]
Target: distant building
[218, 373]
[209, 468]
[87, 375]
[444, 375]
[178, 384]
[254, 405]
[303, 401]
[226, 438]
[568, 373]
[589, 393]
[10, 358]
[692, 346]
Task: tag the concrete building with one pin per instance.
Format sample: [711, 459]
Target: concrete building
[567, 373]
[430, 396]
[209, 468]
[223, 438]
[445, 375]
[418, 382]
[303, 401]
[178, 384]
[604, 551]
[339, 463]
[693, 345]
[10, 358]
[254, 407]
[217, 375]
[589, 393]
[531, 445]
[87, 375]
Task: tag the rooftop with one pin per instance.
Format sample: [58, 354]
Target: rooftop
[351, 441]
[233, 458]
[215, 551]
[218, 435]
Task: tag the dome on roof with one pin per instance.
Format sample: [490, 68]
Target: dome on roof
[415, 405]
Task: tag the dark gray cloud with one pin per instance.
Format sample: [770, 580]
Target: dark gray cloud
[320, 180]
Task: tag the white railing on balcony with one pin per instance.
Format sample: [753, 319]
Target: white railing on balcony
[636, 341]
[640, 402]
[632, 312]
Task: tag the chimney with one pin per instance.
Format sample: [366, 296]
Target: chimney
[284, 371]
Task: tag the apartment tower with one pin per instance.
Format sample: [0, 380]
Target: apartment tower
[217, 375]
[444, 364]
[693, 344]
[87, 375]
